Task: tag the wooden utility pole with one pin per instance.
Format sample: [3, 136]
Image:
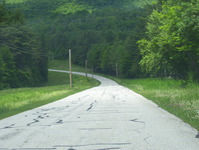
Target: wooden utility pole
[86, 62]
[116, 70]
[70, 69]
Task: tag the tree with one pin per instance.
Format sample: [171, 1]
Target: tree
[22, 60]
[171, 44]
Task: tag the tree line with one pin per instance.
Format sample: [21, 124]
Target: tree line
[22, 60]
[105, 37]
[158, 39]
[170, 47]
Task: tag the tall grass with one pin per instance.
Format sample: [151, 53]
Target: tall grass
[175, 96]
[14, 101]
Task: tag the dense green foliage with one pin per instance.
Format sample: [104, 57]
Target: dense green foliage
[22, 60]
[143, 38]
[104, 32]
[171, 46]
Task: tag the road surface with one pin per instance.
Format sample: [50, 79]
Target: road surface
[107, 117]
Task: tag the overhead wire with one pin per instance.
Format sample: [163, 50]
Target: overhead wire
[20, 50]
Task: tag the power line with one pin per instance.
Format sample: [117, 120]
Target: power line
[21, 50]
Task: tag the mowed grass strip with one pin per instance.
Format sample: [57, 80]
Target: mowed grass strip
[14, 101]
[63, 65]
[177, 97]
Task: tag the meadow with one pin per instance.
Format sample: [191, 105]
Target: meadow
[63, 65]
[13, 101]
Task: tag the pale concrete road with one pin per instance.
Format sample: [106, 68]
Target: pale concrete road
[107, 117]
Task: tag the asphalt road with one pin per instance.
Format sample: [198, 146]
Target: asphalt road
[107, 117]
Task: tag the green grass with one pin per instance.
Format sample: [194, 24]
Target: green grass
[14, 101]
[175, 96]
[63, 65]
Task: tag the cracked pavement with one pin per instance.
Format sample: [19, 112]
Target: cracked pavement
[107, 117]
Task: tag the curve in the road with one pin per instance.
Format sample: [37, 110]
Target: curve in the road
[106, 117]
[104, 81]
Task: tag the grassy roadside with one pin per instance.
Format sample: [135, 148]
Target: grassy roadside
[174, 96]
[63, 65]
[14, 101]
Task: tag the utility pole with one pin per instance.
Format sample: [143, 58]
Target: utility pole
[70, 69]
[116, 70]
[86, 62]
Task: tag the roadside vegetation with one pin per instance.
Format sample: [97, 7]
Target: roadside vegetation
[150, 38]
[176, 96]
[63, 65]
[13, 101]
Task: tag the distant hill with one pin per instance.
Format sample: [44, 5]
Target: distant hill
[104, 32]
[35, 8]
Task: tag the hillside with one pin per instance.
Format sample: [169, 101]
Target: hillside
[89, 28]
[110, 33]
[38, 8]
[129, 38]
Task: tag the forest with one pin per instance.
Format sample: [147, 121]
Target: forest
[151, 38]
[22, 60]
